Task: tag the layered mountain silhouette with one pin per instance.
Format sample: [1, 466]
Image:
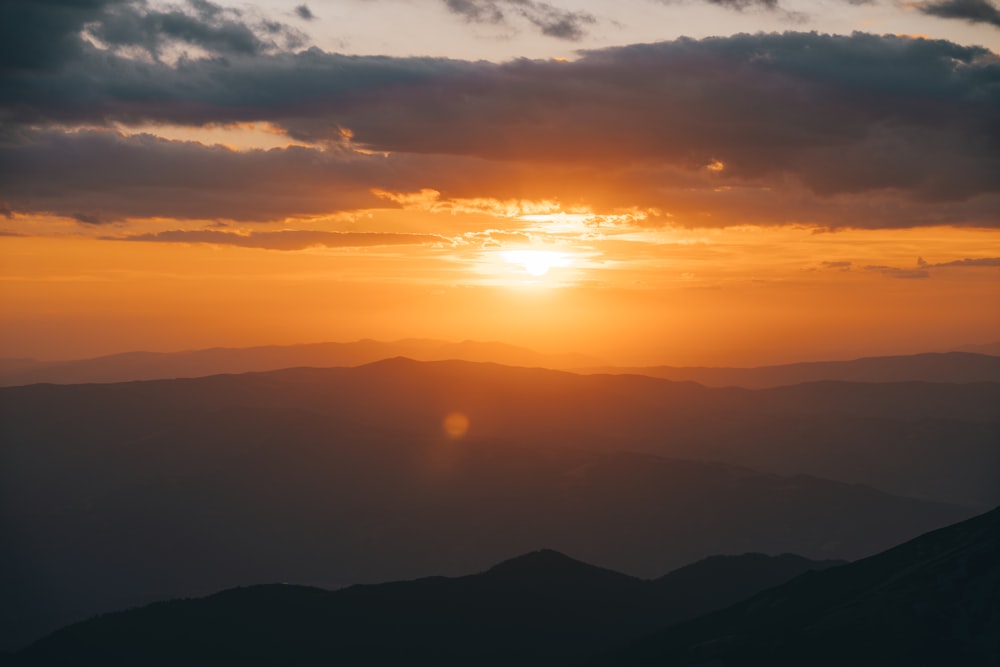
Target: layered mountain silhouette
[131, 366]
[119, 494]
[955, 367]
[930, 601]
[541, 608]
[978, 364]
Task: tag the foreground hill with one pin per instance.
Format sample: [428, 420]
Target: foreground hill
[953, 367]
[936, 441]
[542, 608]
[929, 602]
[932, 601]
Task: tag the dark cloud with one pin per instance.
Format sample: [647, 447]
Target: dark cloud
[841, 266]
[206, 25]
[923, 268]
[144, 176]
[551, 20]
[304, 13]
[88, 218]
[861, 130]
[37, 34]
[974, 11]
[896, 272]
[6, 211]
[285, 240]
[968, 262]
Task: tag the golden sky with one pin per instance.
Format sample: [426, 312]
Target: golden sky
[234, 177]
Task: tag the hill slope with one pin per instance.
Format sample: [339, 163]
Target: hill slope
[118, 494]
[541, 608]
[932, 601]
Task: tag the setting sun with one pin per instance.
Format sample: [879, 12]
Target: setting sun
[536, 263]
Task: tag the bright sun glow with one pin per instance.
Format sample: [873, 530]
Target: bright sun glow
[536, 262]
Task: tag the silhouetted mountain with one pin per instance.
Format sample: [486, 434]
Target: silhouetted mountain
[541, 608]
[987, 348]
[857, 433]
[131, 366]
[932, 601]
[951, 367]
[114, 495]
[713, 582]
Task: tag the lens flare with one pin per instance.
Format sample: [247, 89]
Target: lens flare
[455, 425]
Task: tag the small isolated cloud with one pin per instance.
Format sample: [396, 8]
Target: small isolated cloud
[286, 239]
[923, 267]
[88, 218]
[206, 25]
[975, 261]
[896, 272]
[304, 13]
[839, 266]
[973, 11]
[551, 20]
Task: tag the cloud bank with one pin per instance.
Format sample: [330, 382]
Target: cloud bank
[859, 130]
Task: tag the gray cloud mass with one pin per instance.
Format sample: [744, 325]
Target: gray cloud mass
[973, 11]
[802, 126]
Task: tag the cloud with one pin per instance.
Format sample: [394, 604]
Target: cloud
[284, 240]
[967, 262]
[47, 34]
[860, 130]
[839, 265]
[142, 176]
[551, 20]
[88, 218]
[973, 11]
[744, 4]
[304, 13]
[211, 27]
[895, 272]
[923, 268]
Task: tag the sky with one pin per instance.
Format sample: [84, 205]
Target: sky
[688, 182]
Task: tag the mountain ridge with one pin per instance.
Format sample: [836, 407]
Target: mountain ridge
[562, 616]
[953, 367]
[929, 601]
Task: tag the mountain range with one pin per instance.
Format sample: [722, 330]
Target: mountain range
[131, 366]
[930, 601]
[119, 494]
[976, 364]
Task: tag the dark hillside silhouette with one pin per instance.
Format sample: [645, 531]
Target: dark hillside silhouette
[540, 608]
[932, 601]
[119, 494]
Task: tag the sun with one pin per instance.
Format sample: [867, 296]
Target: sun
[536, 263]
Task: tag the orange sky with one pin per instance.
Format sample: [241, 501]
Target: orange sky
[627, 294]
[738, 199]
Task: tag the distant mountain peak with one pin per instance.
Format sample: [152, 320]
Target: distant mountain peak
[547, 564]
